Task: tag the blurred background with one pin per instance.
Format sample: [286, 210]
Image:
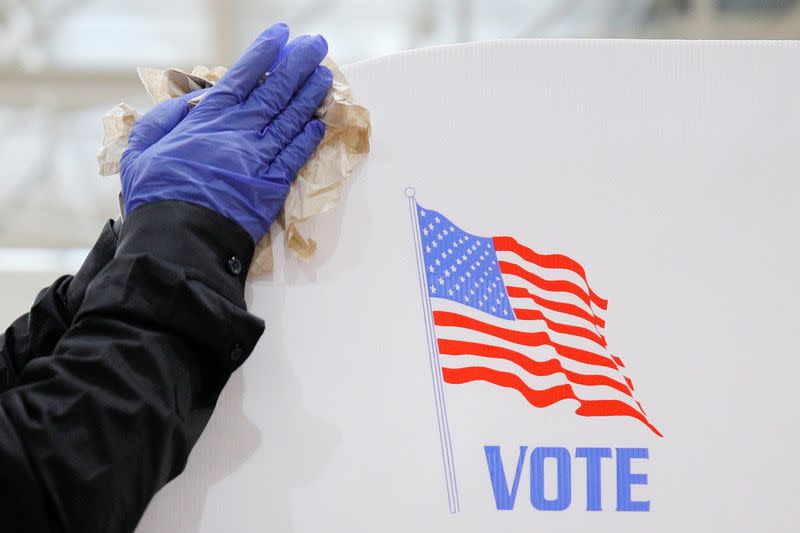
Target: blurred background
[65, 62]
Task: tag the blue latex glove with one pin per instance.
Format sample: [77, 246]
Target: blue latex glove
[238, 150]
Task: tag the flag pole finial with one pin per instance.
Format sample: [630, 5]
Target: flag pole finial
[410, 192]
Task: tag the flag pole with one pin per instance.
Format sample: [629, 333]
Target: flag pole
[435, 365]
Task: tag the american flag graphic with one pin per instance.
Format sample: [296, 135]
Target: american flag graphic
[525, 322]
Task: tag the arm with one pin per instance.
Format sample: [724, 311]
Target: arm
[90, 433]
[97, 428]
[36, 333]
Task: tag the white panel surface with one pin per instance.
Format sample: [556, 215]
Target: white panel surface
[667, 169]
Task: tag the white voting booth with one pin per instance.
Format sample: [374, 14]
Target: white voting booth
[663, 176]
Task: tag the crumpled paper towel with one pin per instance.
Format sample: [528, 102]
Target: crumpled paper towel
[319, 183]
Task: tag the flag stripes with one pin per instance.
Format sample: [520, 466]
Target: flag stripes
[506, 315]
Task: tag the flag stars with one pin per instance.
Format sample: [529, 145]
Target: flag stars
[457, 266]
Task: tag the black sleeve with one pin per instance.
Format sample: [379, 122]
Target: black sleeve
[90, 433]
[36, 333]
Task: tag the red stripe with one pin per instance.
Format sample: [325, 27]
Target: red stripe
[569, 309]
[539, 338]
[629, 382]
[558, 285]
[547, 397]
[537, 398]
[537, 368]
[509, 244]
[535, 314]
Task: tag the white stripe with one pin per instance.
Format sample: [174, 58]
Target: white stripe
[584, 392]
[527, 326]
[551, 274]
[567, 339]
[556, 316]
[512, 280]
[548, 274]
[560, 297]
[537, 353]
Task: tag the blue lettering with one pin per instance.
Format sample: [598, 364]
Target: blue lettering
[625, 479]
[503, 498]
[564, 479]
[593, 457]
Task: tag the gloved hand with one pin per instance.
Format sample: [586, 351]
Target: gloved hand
[238, 150]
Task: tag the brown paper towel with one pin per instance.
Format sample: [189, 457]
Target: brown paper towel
[319, 183]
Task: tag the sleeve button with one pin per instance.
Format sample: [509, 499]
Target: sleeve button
[236, 353]
[234, 266]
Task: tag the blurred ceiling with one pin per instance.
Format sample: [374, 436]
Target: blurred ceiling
[65, 62]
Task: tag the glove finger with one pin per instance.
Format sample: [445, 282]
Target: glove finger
[272, 96]
[237, 84]
[294, 156]
[160, 120]
[291, 121]
[282, 55]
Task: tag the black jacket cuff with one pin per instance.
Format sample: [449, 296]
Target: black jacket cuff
[210, 247]
[204, 247]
